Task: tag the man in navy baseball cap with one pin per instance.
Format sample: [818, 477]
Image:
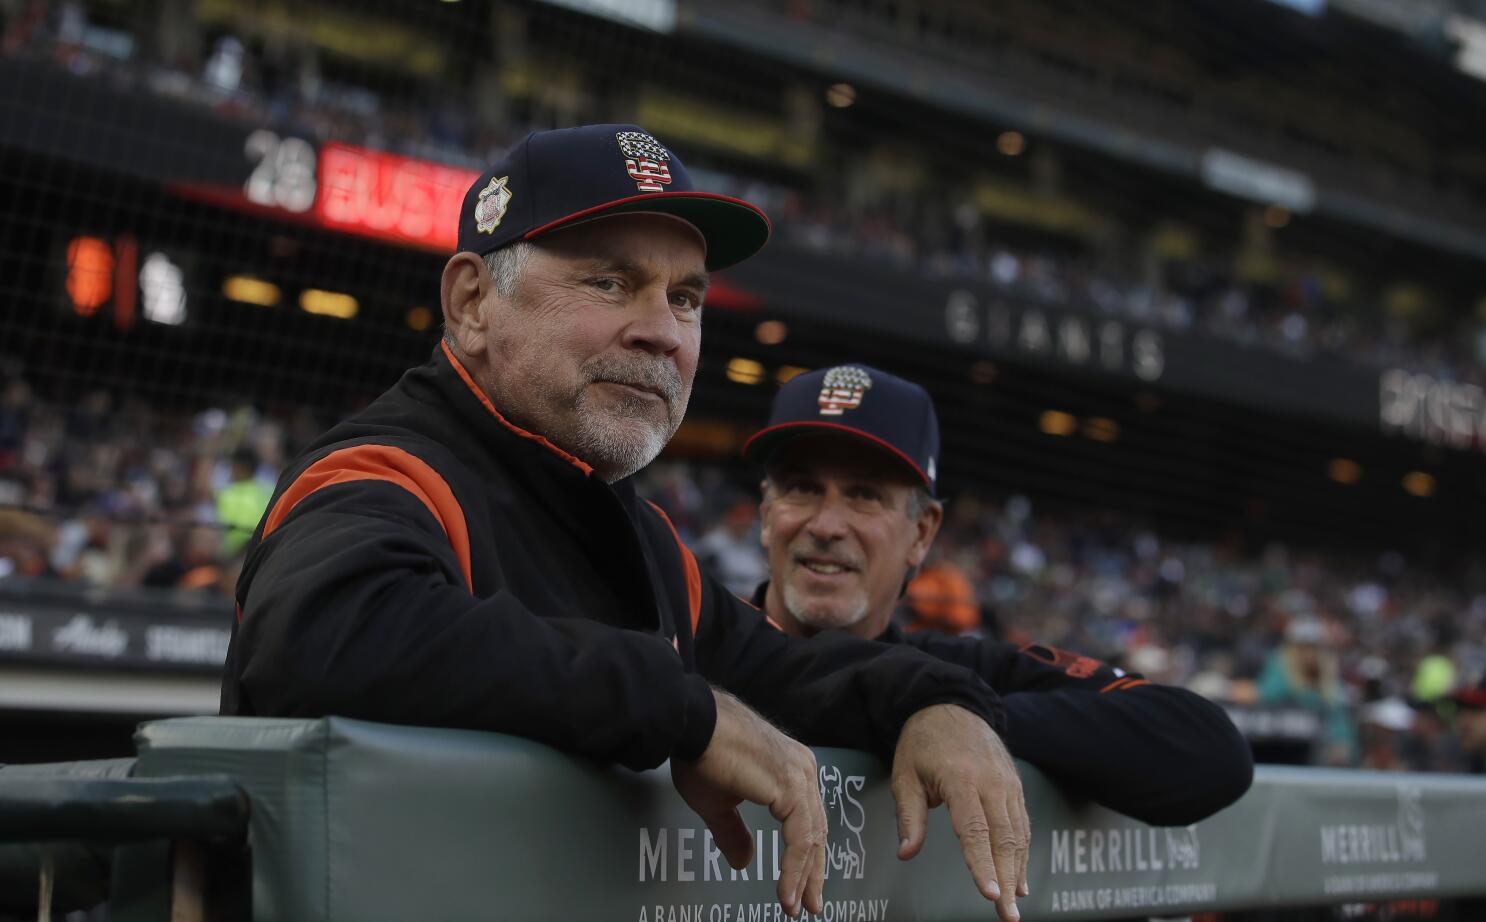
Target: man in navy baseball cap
[850, 457]
[555, 179]
[574, 299]
[851, 461]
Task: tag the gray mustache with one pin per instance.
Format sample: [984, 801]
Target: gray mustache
[660, 377]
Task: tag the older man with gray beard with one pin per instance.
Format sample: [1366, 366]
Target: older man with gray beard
[468, 551]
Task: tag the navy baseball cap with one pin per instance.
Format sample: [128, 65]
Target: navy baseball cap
[555, 179]
[892, 415]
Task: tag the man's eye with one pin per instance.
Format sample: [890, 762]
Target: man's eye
[605, 283]
[686, 300]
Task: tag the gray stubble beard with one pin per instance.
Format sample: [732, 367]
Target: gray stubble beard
[799, 611]
[601, 439]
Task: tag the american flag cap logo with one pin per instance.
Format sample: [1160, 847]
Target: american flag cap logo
[842, 389]
[645, 160]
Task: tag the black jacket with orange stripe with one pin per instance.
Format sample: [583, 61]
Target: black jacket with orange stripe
[428, 562]
[1158, 753]
[1161, 754]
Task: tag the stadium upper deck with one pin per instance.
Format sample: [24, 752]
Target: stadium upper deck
[1015, 200]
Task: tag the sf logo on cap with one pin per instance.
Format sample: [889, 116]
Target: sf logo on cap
[492, 205]
[842, 390]
[645, 160]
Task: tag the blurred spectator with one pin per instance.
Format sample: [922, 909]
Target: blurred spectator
[25, 545]
[941, 598]
[15, 402]
[1470, 723]
[1303, 672]
[732, 552]
[1385, 725]
[187, 562]
[242, 502]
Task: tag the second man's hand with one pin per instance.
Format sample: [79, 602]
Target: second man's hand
[949, 755]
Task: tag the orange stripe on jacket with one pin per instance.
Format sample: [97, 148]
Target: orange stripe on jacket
[693, 572]
[469, 382]
[393, 465]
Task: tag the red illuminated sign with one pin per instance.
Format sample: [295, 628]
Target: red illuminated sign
[390, 197]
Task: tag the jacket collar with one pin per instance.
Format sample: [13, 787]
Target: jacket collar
[445, 357]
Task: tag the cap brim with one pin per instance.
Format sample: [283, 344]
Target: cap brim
[732, 228]
[763, 443]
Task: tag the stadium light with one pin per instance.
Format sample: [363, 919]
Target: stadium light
[745, 371]
[419, 319]
[1418, 484]
[788, 373]
[841, 95]
[771, 332]
[247, 290]
[1344, 470]
[1101, 429]
[1056, 422]
[1011, 143]
[328, 303]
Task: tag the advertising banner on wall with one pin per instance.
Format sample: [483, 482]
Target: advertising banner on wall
[344, 811]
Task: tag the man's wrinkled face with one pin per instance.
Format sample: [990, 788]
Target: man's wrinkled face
[839, 536]
[597, 346]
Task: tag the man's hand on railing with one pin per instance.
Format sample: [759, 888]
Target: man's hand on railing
[749, 759]
[948, 755]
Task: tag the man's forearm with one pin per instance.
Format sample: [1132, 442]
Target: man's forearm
[1159, 754]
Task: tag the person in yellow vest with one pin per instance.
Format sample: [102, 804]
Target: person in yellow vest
[242, 502]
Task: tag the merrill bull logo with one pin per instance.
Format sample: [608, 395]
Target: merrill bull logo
[846, 856]
[1379, 843]
[689, 854]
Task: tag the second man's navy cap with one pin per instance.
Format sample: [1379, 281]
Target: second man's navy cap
[884, 411]
[555, 179]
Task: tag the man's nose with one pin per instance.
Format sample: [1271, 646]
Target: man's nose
[652, 323]
[828, 523]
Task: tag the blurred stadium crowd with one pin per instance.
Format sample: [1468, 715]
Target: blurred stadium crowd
[113, 491]
[918, 213]
[127, 495]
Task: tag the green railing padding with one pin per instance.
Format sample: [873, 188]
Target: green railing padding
[364, 822]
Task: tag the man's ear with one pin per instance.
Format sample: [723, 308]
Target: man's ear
[462, 290]
[925, 530]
